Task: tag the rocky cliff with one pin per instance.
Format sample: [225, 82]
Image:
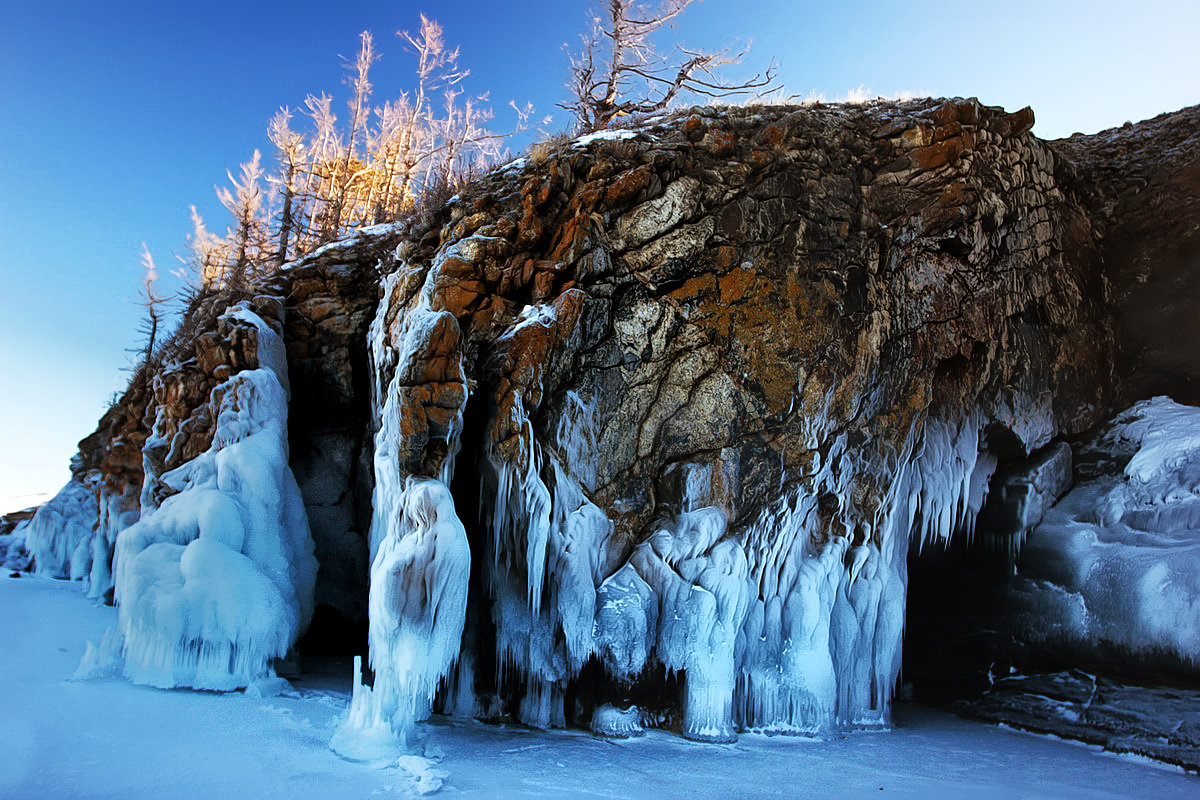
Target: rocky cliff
[697, 390]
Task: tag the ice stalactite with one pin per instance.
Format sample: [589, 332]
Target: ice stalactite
[950, 480]
[866, 627]
[520, 534]
[552, 549]
[218, 580]
[59, 536]
[787, 681]
[421, 559]
[118, 510]
[821, 644]
[822, 641]
[700, 579]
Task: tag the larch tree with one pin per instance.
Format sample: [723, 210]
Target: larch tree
[289, 155]
[152, 302]
[619, 72]
[210, 253]
[332, 177]
[347, 169]
[249, 237]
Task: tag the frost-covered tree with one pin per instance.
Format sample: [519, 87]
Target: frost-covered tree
[289, 154]
[152, 302]
[245, 200]
[332, 177]
[619, 72]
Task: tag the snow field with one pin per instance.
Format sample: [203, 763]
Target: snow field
[111, 739]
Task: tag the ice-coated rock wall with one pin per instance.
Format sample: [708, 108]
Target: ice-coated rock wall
[712, 381]
[59, 536]
[650, 420]
[215, 579]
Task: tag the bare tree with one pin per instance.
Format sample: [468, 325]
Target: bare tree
[619, 72]
[151, 301]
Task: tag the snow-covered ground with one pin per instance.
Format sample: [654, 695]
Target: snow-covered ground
[107, 738]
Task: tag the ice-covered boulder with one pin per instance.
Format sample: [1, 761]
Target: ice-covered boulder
[1117, 560]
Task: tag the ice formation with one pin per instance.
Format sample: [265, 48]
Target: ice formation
[699, 578]
[617, 723]
[418, 606]
[551, 551]
[13, 552]
[1117, 559]
[421, 559]
[59, 536]
[117, 511]
[218, 580]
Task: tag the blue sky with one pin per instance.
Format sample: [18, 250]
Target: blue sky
[115, 116]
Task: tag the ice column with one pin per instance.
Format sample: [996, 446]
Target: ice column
[421, 559]
[700, 579]
[417, 607]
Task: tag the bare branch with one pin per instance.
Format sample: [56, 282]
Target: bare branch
[618, 59]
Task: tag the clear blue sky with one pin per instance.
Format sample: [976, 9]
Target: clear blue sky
[115, 116]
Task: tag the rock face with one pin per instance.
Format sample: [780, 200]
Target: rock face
[696, 390]
[716, 374]
[1140, 185]
[1160, 723]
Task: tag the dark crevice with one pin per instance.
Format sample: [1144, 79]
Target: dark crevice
[479, 632]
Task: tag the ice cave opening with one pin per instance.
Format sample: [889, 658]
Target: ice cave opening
[957, 637]
[1075, 562]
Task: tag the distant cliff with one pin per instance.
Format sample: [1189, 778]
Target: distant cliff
[697, 388]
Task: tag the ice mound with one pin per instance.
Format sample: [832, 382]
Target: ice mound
[13, 553]
[218, 580]
[59, 536]
[1117, 560]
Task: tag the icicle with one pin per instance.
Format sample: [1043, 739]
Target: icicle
[551, 550]
[701, 583]
[786, 680]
